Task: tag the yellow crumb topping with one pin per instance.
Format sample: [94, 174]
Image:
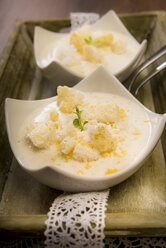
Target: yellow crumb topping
[91, 55]
[136, 133]
[110, 171]
[68, 157]
[56, 156]
[122, 113]
[105, 49]
[57, 144]
[68, 99]
[85, 105]
[53, 116]
[80, 172]
[146, 121]
[77, 42]
[118, 47]
[102, 139]
[81, 72]
[116, 132]
[56, 125]
[123, 152]
[104, 155]
[116, 154]
[120, 138]
[93, 106]
[88, 166]
[103, 40]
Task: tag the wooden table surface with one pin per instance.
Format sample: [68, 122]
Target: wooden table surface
[10, 10]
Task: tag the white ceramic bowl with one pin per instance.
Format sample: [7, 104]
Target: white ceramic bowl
[45, 42]
[17, 111]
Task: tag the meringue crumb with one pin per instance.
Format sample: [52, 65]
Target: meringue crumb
[53, 116]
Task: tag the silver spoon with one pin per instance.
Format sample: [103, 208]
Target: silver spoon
[129, 83]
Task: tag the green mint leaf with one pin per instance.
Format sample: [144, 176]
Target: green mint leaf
[85, 122]
[97, 42]
[77, 110]
[76, 122]
[88, 40]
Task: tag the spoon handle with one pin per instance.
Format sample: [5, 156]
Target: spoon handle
[130, 80]
[134, 90]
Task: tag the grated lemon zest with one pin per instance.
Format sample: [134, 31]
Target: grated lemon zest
[122, 113]
[136, 133]
[56, 156]
[81, 72]
[116, 154]
[80, 172]
[120, 138]
[116, 132]
[123, 152]
[104, 155]
[56, 126]
[85, 104]
[146, 121]
[88, 166]
[68, 157]
[93, 106]
[110, 171]
[57, 144]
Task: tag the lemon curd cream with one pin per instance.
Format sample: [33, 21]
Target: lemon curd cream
[84, 50]
[92, 134]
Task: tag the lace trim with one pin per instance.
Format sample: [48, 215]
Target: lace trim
[135, 242]
[79, 19]
[125, 242]
[77, 220]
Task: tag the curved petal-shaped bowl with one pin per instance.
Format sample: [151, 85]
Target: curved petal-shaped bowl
[17, 111]
[45, 41]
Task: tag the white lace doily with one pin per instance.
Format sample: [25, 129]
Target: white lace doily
[122, 242]
[79, 19]
[135, 242]
[77, 220]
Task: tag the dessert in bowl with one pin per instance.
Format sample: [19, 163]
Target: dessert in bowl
[72, 56]
[89, 137]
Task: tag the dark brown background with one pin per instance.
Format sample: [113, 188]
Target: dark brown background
[10, 10]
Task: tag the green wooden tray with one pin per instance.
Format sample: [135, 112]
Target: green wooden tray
[136, 207]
